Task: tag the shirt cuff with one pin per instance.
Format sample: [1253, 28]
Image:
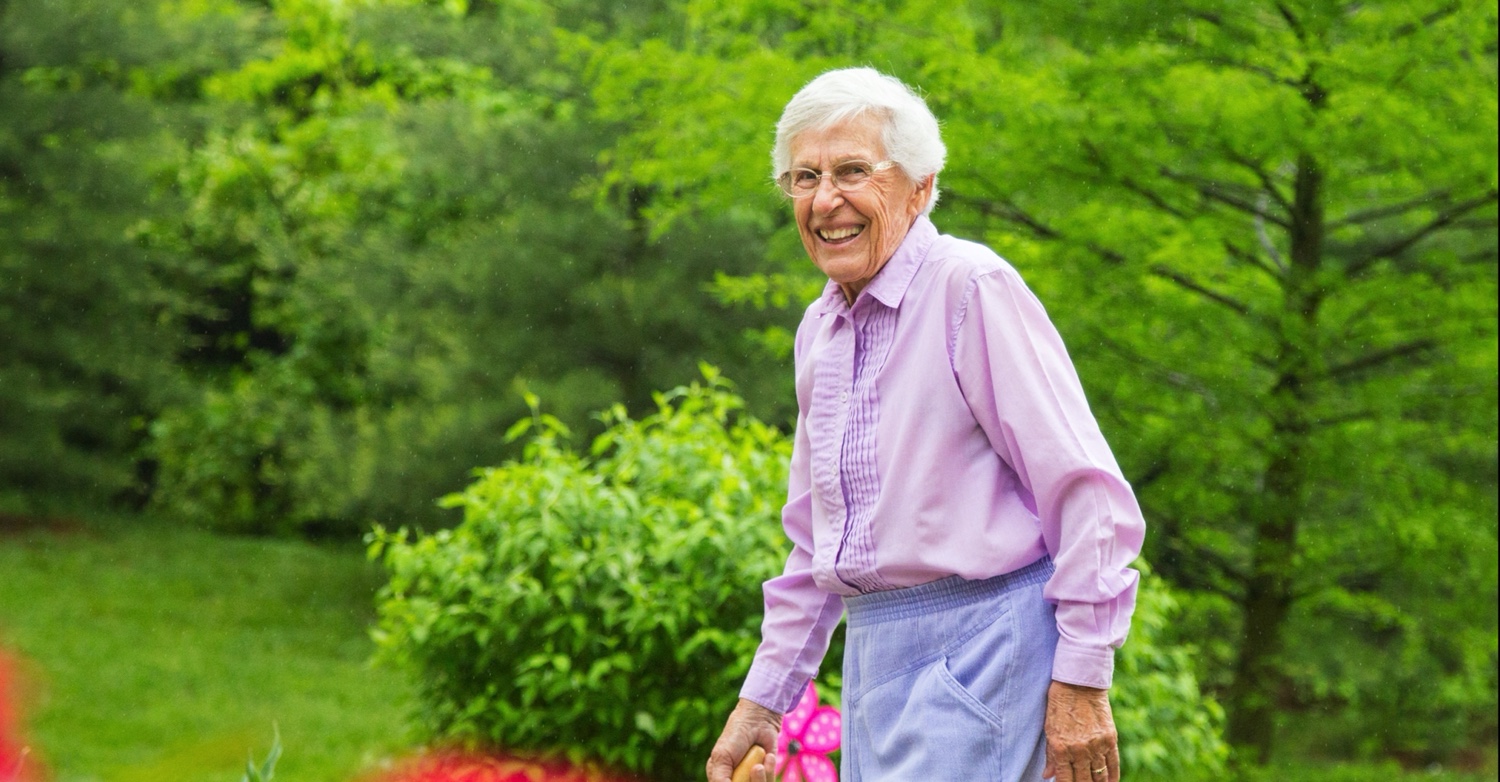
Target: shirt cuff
[1087, 666]
[776, 690]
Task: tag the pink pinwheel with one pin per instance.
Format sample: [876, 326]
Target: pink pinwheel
[808, 733]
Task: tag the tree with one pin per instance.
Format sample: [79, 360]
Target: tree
[390, 218]
[1307, 196]
[87, 346]
[1268, 231]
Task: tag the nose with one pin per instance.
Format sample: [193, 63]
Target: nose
[827, 197]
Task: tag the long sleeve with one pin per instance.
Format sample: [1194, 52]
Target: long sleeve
[1021, 387]
[800, 617]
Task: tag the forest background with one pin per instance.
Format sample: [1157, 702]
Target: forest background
[289, 268]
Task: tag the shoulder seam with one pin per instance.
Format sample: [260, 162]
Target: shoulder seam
[963, 308]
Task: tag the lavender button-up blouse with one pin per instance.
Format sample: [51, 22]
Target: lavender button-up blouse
[943, 431]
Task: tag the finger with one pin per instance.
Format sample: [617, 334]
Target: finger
[1082, 768]
[1112, 760]
[722, 766]
[1098, 765]
[745, 770]
[718, 767]
[1093, 768]
[1062, 767]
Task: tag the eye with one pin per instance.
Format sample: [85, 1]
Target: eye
[853, 172]
[803, 177]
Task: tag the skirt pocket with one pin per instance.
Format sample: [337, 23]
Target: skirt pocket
[962, 694]
[924, 726]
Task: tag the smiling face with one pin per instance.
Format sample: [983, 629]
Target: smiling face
[851, 235]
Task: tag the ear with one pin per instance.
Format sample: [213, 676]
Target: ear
[921, 195]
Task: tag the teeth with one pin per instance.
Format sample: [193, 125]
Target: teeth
[840, 233]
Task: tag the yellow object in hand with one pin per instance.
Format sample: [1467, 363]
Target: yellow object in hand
[742, 771]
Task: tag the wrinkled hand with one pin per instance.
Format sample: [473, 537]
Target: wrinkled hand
[1081, 737]
[750, 724]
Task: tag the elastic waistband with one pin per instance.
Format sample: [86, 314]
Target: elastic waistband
[940, 595]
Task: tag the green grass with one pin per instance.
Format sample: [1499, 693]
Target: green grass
[158, 654]
[154, 653]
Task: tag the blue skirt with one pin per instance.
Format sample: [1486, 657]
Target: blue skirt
[948, 681]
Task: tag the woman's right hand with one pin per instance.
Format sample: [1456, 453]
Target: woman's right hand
[750, 724]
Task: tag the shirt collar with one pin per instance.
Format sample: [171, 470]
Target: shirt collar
[890, 283]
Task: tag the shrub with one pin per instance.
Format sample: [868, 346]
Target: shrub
[604, 606]
[264, 455]
[1168, 729]
[607, 606]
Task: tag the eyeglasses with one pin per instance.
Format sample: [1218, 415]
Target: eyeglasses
[847, 176]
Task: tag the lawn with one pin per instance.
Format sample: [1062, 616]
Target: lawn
[153, 653]
[158, 654]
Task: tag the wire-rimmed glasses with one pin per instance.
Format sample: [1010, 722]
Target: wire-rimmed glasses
[846, 176]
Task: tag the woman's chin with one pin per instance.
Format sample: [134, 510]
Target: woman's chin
[845, 268]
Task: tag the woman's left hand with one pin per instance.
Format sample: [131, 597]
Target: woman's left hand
[1081, 742]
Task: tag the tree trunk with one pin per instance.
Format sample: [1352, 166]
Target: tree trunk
[1279, 508]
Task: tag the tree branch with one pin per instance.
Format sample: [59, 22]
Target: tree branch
[1188, 283]
[1426, 21]
[1292, 22]
[1159, 467]
[1258, 70]
[1488, 255]
[1172, 376]
[1010, 212]
[1264, 237]
[1097, 158]
[1441, 221]
[1207, 16]
[1185, 565]
[1390, 210]
[1250, 259]
[1336, 420]
[1222, 193]
[1266, 182]
[1155, 198]
[1376, 358]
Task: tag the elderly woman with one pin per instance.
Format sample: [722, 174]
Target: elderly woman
[950, 490]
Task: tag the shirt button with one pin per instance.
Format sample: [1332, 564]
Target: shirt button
[844, 397]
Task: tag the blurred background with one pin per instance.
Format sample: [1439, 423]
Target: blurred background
[274, 272]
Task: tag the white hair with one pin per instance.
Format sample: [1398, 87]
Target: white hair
[908, 129]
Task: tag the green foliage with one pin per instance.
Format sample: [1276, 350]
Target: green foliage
[282, 266]
[87, 346]
[1168, 729]
[607, 606]
[267, 769]
[1267, 231]
[383, 230]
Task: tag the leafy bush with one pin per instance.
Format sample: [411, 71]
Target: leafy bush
[1168, 729]
[265, 456]
[607, 606]
[603, 606]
